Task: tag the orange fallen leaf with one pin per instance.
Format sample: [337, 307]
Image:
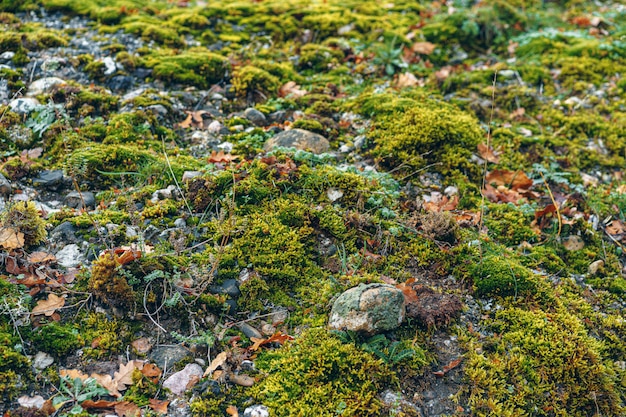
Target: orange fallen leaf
[142, 345]
[488, 153]
[616, 227]
[218, 361]
[73, 374]
[291, 89]
[124, 376]
[453, 364]
[440, 203]
[219, 157]
[11, 238]
[424, 48]
[48, 306]
[232, 411]
[100, 404]
[277, 337]
[194, 119]
[41, 257]
[152, 372]
[515, 180]
[127, 409]
[160, 406]
[406, 80]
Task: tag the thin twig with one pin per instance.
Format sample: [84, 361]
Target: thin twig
[485, 162]
[556, 206]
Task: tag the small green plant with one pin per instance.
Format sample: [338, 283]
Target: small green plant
[44, 116]
[72, 392]
[389, 58]
[390, 352]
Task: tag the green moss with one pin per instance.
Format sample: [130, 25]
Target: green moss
[318, 57]
[504, 276]
[198, 68]
[539, 363]
[15, 370]
[318, 375]
[25, 218]
[104, 337]
[57, 339]
[508, 225]
[428, 133]
[311, 125]
[250, 81]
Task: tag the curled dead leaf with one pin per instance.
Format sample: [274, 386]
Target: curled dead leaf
[48, 306]
[11, 238]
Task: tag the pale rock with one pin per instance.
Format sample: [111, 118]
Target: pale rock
[70, 256]
[179, 382]
[43, 85]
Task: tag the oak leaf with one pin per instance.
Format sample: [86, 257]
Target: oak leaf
[160, 406]
[218, 157]
[48, 306]
[107, 383]
[41, 257]
[11, 238]
[424, 48]
[232, 411]
[489, 154]
[515, 180]
[127, 409]
[218, 361]
[73, 374]
[124, 376]
[291, 89]
[406, 80]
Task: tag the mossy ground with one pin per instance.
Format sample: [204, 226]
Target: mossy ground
[451, 176]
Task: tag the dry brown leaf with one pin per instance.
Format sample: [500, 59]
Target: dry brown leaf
[443, 73]
[107, 383]
[291, 89]
[439, 203]
[49, 305]
[152, 372]
[515, 180]
[517, 114]
[73, 374]
[424, 48]
[616, 227]
[100, 404]
[488, 153]
[232, 411]
[41, 257]
[453, 364]
[11, 238]
[194, 119]
[219, 157]
[160, 406]
[218, 361]
[406, 80]
[124, 376]
[127, 409]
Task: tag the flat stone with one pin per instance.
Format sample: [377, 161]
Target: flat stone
[179, 382]
[249, 331]
[76, 200]
[371, 309]
[70, 256]
[49, 179]
[168, 356]
[255, 116]
[65, 232]
[299, 139]
[42, 360]
[43, 85]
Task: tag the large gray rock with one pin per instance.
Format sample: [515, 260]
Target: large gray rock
[371, 308]
[299, 139]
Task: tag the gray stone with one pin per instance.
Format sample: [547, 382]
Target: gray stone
[214, 127]
[249, 331]
[255, 116]
[229, 287]
[109, 63]
[43, 85]
[180, 223]
[299, 139]
[23, 105]
[7, 56]
[168, 356]
[257, 410]
[76, 200]
[49, 179]
[70, 256]
[180, 381]
[65, 232]
[371, 308]
[187, 175]
[278, 116]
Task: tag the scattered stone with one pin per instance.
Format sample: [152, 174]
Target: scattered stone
[229, 287]
[182, 380]
[180, 223]
[7, 56]
[371, 308]
[299, 139]
[43, 85]
[49, 179]
[187, 175]
[76, 200]
[334, 194]
[142, 345]
[23, 105]
[214, 127]
[70, 256]
[257, 410]
[109, 65]
[278, 116]
[279, 317]
[36, 402]
[249, 331]
[42, 360]
[167, 356]
[255, 116]
[119, 82]
[398, 405]
[595, 266]
[179, 408]
[64, 233]
[267, 329]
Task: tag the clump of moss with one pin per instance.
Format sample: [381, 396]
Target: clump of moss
[318, 57]
[15, 370]
[318, 374]
[197, 68]
[508, 225]
[252, 82]
[503, 276]
[541, 363]
[24, 217]
[104, 337]
[57, 339]
[108, 284]
[427, 133]
[311, 125]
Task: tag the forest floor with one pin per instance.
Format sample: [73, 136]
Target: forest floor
[188, 187]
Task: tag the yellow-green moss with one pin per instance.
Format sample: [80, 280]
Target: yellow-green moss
[104, 337]
[196, 67]
[24, 217]
[249, 81]
[318, 375]
[57, 339]
[109, 285]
